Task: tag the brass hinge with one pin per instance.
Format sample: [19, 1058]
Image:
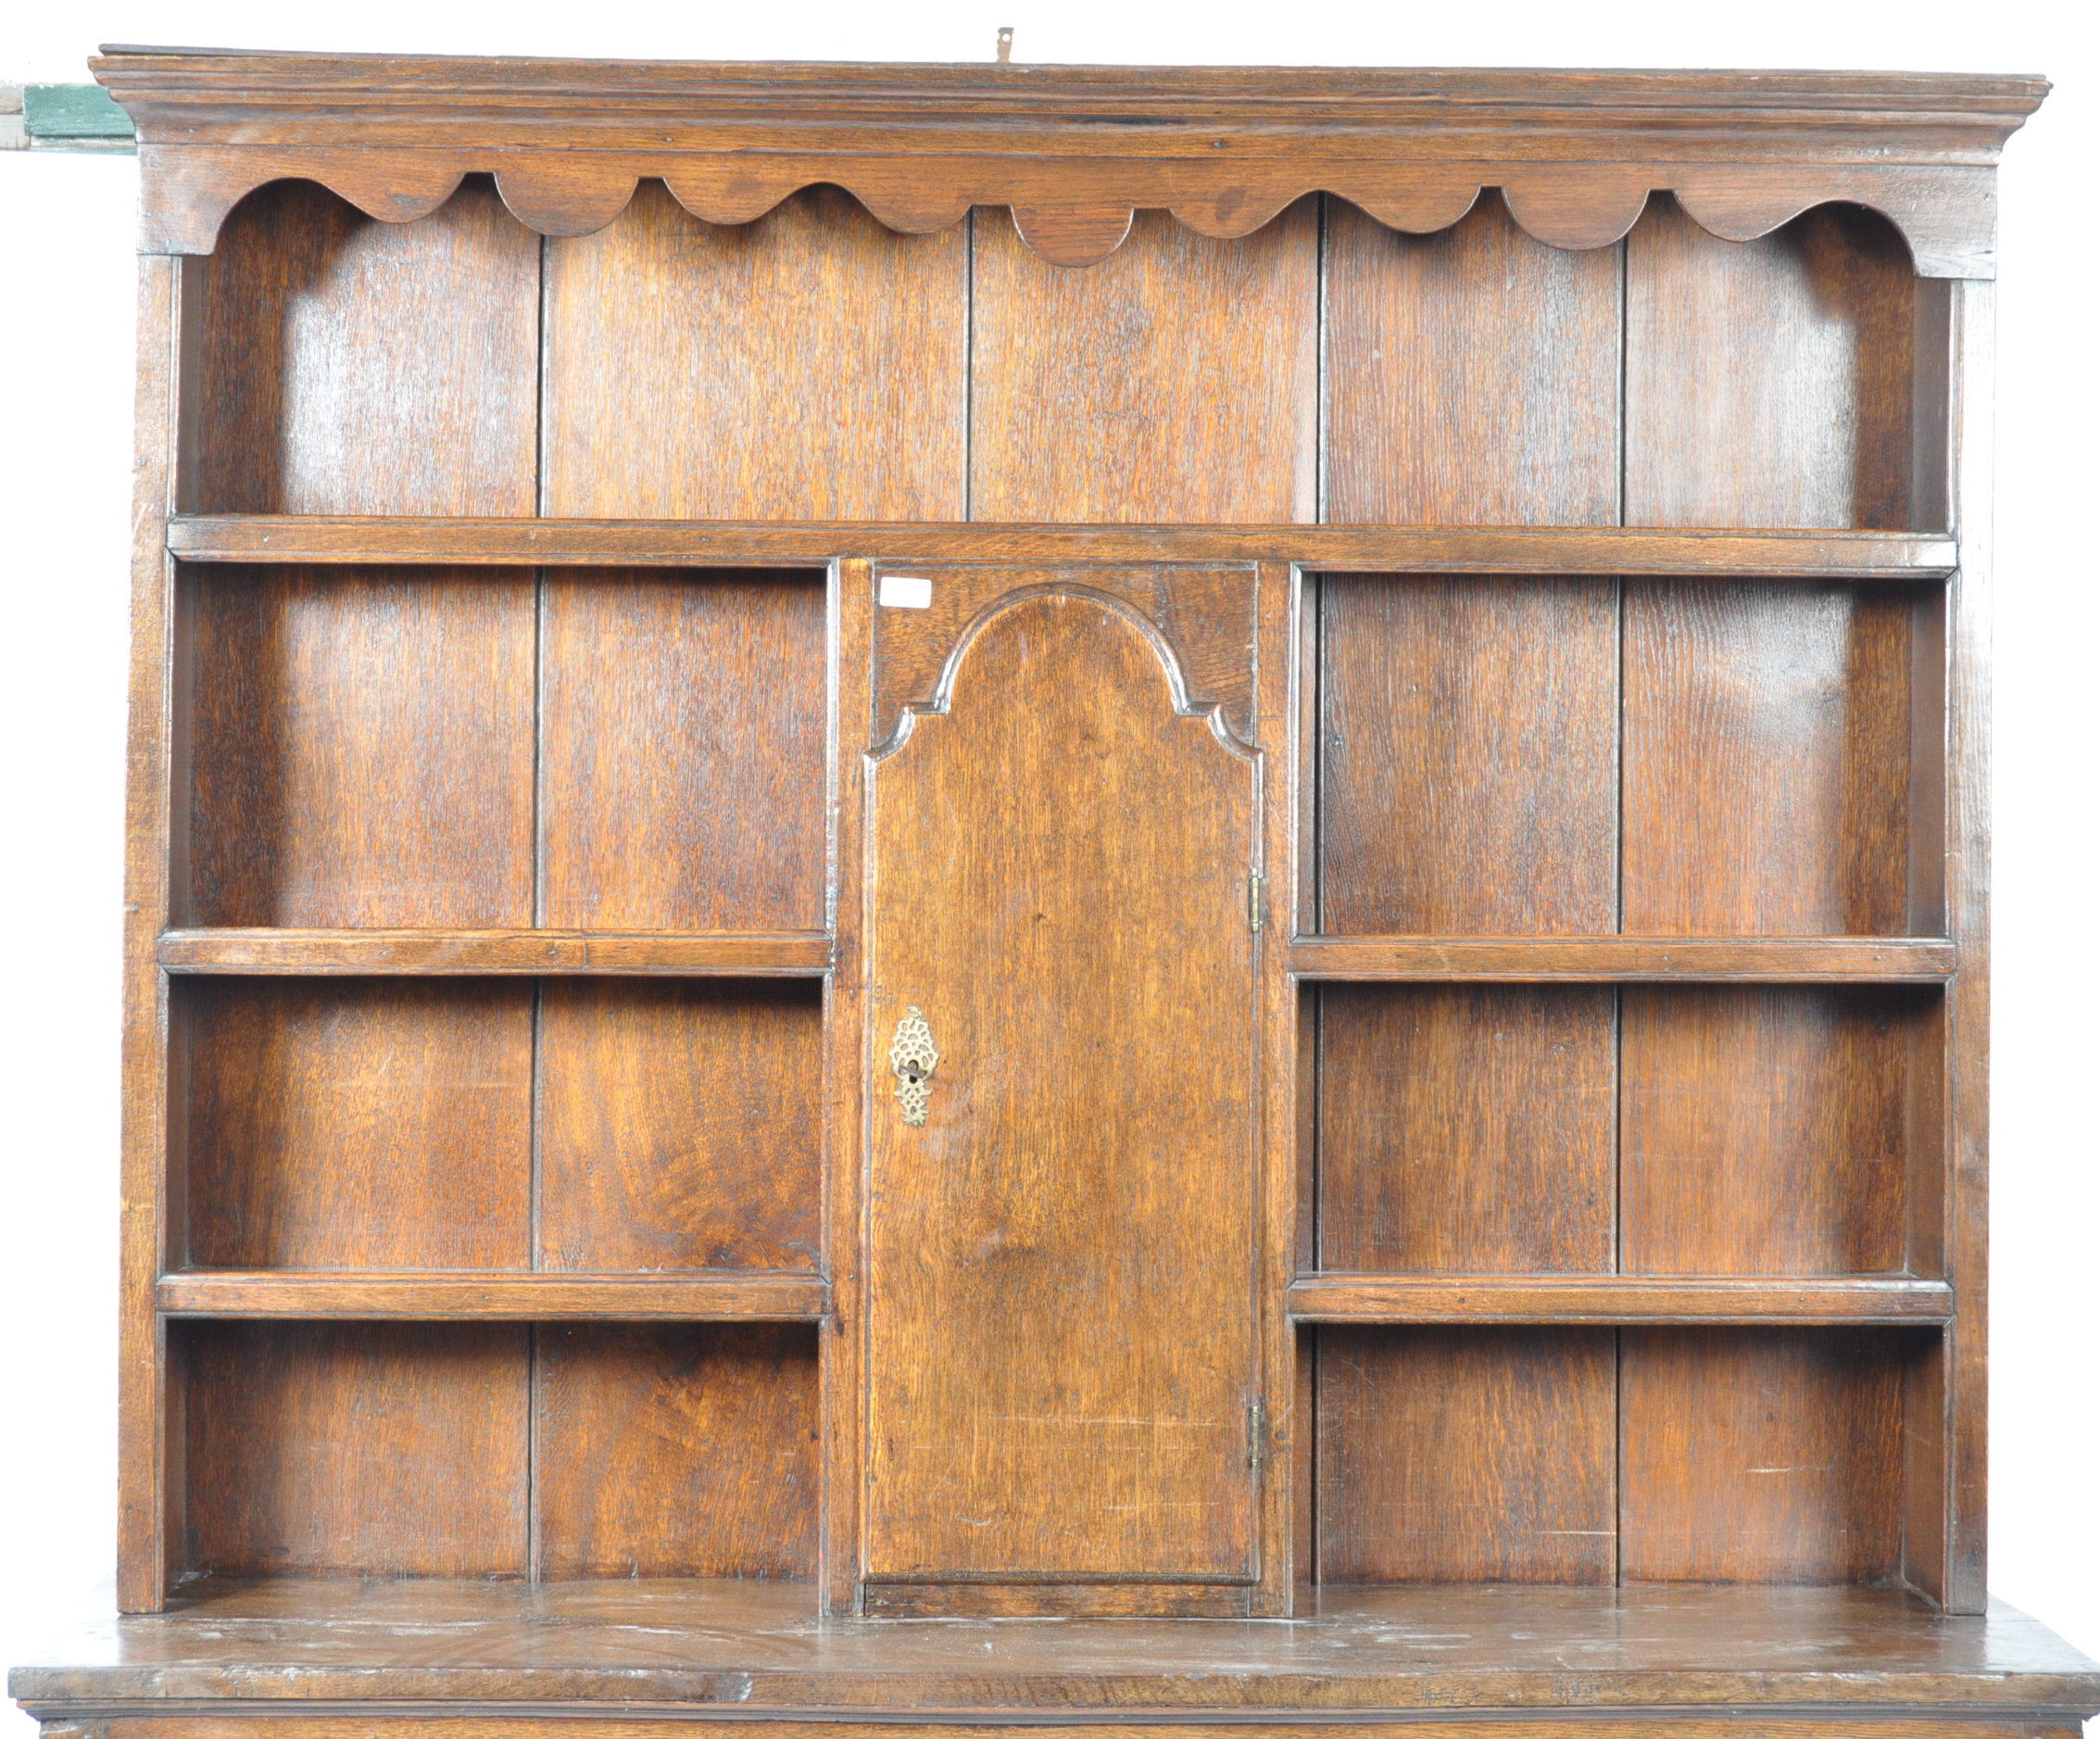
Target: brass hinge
[1257, 1435]
[1254, 900]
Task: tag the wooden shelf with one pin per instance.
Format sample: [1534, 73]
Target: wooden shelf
[319, 953]
[714, 1295]
[1813, 555]
[1829, 1658]
[1414, 1298]
[1605, 959]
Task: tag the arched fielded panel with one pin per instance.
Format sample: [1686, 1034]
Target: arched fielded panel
[1082, 962]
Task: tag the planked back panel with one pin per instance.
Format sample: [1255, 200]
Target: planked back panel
[661, 749]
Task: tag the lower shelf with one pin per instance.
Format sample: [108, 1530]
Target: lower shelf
[1787, 1655]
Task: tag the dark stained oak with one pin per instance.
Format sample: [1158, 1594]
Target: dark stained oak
[811, 365]
[1471, 375]
[451, 954]
[1830, 1656]
[1617, 959]
[1769, 383]
[388, 1449]
[1208, 617]
[359, 749]
[1761, 1454]
[1767, 783]
[1465, 1130]
[349, 366]
[687, 1295]
[1478, 1298]
[675, 1450]
[362, 1124]
[1466, 1454]
[681, 769]
[1633, 1724]
[1177, 381]
[1382, 655]
[1087, 1160]
[679, 1125]
[1076, 149]
[1468, 756]
[1864, 557]
[148, 1393]
[1770, 1130]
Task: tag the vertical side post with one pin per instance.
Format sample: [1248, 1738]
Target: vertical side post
[1277, 715]
[149, 1474]
[1968, 922]
[842, 1337]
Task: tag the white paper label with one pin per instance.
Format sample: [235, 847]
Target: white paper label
[901, 591]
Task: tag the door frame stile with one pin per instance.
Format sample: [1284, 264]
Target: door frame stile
[1277, 730]
[842, 1337]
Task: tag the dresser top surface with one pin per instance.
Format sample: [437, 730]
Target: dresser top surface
[759, 1645]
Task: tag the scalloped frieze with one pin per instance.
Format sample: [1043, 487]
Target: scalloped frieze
[1073, 152]
[1077, 213]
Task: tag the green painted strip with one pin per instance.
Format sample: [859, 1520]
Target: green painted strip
[72, 111]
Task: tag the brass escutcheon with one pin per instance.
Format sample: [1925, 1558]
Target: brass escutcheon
[911, 1060]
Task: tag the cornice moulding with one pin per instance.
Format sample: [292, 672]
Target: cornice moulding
[1072, 150]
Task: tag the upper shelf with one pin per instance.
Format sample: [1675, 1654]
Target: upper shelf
[1072, 150]
[1804, 555]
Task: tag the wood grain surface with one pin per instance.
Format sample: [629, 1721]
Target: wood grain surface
[675, 1451]
[1466, 1454]
[1769, 383]
[680, 1125]
[423, 1295]
[486, 1727]
[1176, 383]
[1087, 1161]
[1471, 375]
[1468, 761]
[366, 1449]
[1761, 1454]
[503, 954]
[360, 747]
[1075, 150]
[1617, 959]
[1208, 617]
[150, 1544]
[348, 366]
[1827, 1660]
[1768, 737]
[1771, 1131]
[1467, 1131]
[1588, 1198]
[1584, 1298]
[1864, 558]
[682, 762]
[808, 365]
[359, 1124]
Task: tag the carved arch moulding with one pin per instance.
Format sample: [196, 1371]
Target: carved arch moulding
[1072, 151]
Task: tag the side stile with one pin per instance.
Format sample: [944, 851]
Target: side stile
[1968, 922]
[149, 1452]
[1277, 717]
[842, 1337]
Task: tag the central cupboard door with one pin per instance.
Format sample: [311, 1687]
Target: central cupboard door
[1061, 1347]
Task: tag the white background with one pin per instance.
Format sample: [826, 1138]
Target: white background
[66, 339]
